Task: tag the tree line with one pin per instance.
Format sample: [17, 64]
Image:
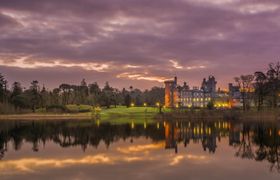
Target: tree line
[261, 88]
[18, 99]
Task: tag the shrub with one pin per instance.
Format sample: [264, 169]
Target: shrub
[56, 108]
[73, 108]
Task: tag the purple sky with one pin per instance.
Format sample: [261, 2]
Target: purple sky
[136, 42]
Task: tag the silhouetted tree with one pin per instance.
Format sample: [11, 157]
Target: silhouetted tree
[260, 88]
[34, 92]
[17, 98]
[107, 95]
[273, 76]
[66, 91]
[95, 92]
[127, 100]
[244, 83]
[44, 94]
[3, 88]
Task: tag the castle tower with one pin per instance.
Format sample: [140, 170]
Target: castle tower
[171, 93]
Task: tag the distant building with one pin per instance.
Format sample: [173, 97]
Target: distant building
[209, 85]
[183, 96]
[198, 97]
[194, 97]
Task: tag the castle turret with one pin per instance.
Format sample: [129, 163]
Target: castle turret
[171, 93]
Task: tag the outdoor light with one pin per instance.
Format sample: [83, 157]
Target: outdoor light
[157, 103]
[132, 104]
[145, 104]
[132, 125]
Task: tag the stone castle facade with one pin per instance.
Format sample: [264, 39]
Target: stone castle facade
[199, 97]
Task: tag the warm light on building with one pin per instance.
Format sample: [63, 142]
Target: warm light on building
[132, 125]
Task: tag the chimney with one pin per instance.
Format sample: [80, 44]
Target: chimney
[175, 80]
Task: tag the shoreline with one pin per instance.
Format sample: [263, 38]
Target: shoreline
[249, 116]
[34, 116]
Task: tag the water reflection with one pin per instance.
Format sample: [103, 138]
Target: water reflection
[257, 141]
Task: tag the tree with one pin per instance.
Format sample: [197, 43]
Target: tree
[54, 97]
[273, 76]
[127, 100]
[94, 94]
[3, 88]
[44, 97]
[245, 86]
[35, 97]
[154, 95]
[66, 90]
[260, 88]
[83, 92]
[16, 96]
[107, 95]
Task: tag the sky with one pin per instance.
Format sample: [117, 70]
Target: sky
[137, 43]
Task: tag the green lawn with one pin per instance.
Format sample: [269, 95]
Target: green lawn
[120, 114]
[123, 114]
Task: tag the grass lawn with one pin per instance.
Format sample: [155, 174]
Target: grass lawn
[120, 114]
[123, 114]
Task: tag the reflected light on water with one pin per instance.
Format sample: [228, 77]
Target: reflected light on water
[140, 148]
[163, 146]
[176, 160]
[31, 164]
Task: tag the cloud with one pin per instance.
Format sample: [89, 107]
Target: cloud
[20, 63]
[7, 22]
[127, 38]
[175, 64]
[141, 76]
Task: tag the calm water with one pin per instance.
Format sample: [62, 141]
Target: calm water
[163, 150]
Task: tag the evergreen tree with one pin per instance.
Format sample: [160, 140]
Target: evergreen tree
[34, 92]
[3, 85]
[17, 98]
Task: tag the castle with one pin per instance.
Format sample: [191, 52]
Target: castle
[184, 96]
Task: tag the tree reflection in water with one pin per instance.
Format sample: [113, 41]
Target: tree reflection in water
[256, 140]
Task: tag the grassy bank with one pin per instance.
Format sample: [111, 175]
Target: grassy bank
[252, 115]
[120, 114]
[123, 114]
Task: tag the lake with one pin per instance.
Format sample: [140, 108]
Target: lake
[162, 150]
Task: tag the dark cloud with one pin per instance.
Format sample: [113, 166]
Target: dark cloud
[7, 22]
[227, 37]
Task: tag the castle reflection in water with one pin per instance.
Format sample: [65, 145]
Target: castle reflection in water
[253, 140]
[205, 133]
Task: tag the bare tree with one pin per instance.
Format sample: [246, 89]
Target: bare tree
[273, 75]
[244, 83]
